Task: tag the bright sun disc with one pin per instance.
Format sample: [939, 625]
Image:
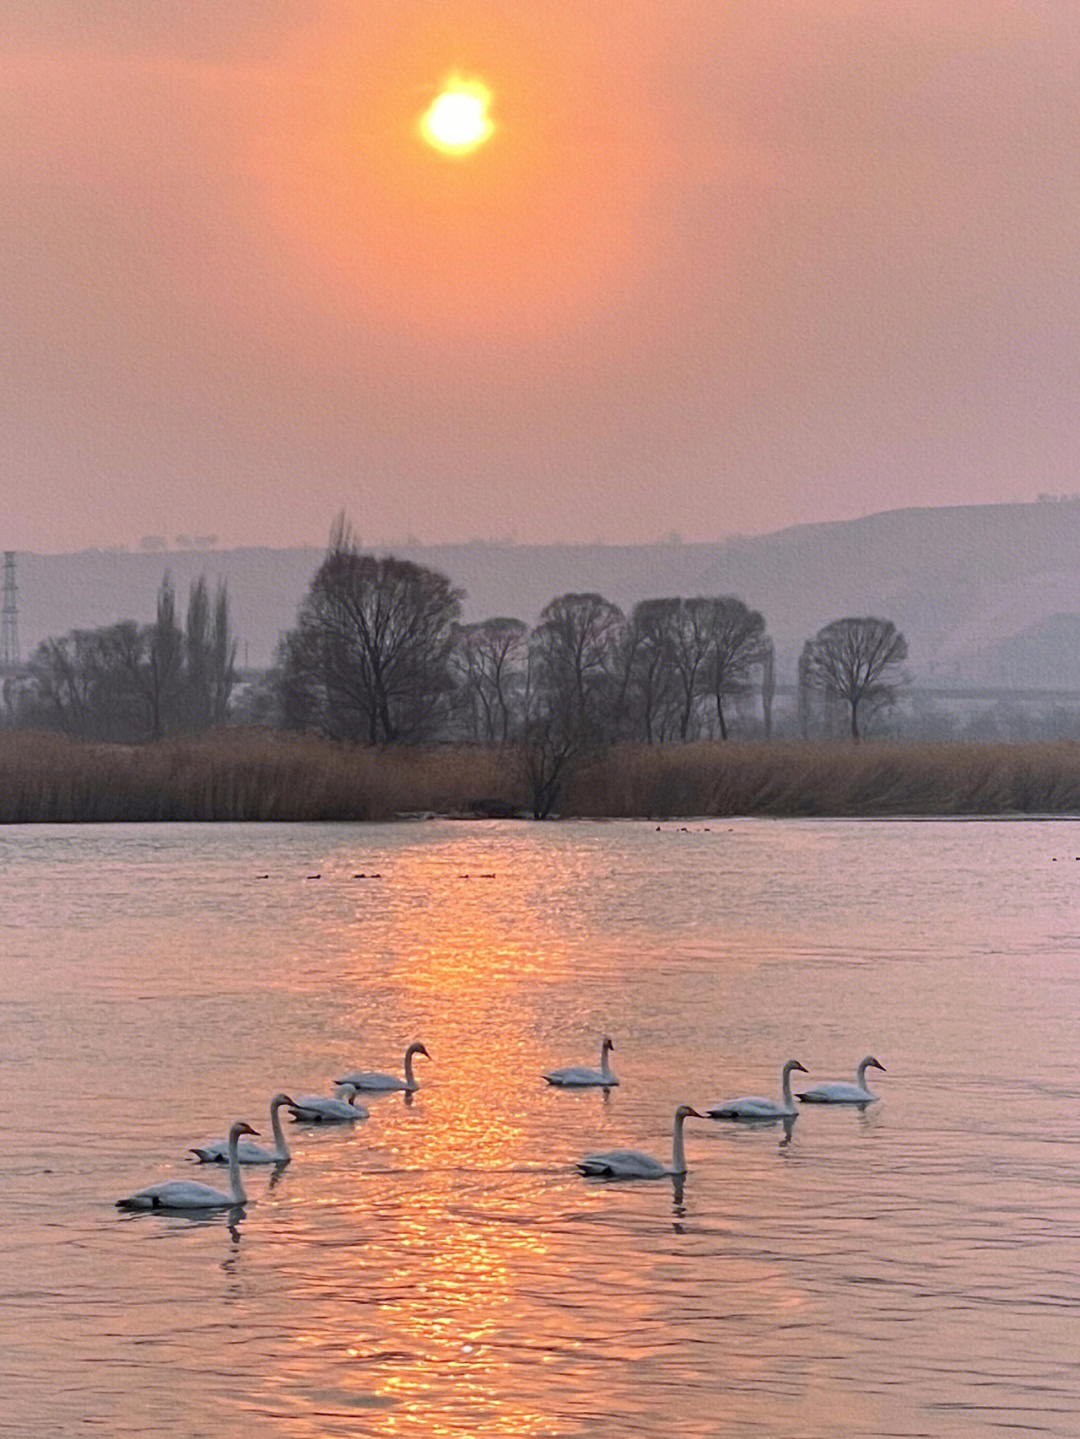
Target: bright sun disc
[457, 120]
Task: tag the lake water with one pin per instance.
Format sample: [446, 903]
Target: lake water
[440, 1269]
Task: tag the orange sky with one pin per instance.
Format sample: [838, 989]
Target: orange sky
[721, 267]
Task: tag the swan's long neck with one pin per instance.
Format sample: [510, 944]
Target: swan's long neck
[860, 1074]
[236, 1187]
[678, 1152]
[281, 1148]
[789, 1102]
[605, 1064]
[410, 1078]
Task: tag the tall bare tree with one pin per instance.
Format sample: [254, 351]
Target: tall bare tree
[489, 658]
[571, 689]
[369, 659]
[197, 662]
[768, 686]
[737, 644]
[161, 676]
[223, 647]
[856, 660]
[572, 656]
[649, 668]
[93, 684]
[691, 641]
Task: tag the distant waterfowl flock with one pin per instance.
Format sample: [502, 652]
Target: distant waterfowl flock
[341, 1108]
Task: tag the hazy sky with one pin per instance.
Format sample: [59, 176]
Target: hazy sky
[724, 265]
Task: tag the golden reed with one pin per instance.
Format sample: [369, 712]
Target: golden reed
[258, 775]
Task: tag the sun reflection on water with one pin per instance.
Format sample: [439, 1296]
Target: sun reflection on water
[440, 1268]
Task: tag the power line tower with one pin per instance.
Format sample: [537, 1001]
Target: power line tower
[9, 616]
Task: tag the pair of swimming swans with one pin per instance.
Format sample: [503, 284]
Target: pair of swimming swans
[339, 1108]
[234, 1151]
[755, 1106]
[342, 1107]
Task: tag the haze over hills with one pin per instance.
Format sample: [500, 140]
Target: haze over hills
[986, 595]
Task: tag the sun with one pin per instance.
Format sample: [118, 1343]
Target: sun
[457, 120]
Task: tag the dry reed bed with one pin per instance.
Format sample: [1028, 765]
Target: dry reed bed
[256, 775]
[236, 775]
[841, 779]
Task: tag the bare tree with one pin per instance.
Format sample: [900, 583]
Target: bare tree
[571, 689]
[768, 686]
[547, 756]
[856, 660]
[197, 661]
[737, 644]
[129, 682]
[160, 675]
[691, 642]
[572, 657]
[223, 647]
[369, 659]
[804, 692]
[60, 684]
[89, 684]
[489, 658]
[649, 669]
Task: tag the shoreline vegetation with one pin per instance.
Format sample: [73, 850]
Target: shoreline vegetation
[256, 775]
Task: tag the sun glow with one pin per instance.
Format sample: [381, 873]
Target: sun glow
[537, 223]
[457, 120]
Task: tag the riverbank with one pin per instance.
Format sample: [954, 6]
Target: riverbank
[257, 775]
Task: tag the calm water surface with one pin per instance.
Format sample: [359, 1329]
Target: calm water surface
[440, 1269]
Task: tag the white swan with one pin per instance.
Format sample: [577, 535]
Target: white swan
[755, 1106]
[216, 1151]
[188, 1193]
[837, 1091]
[375, 1079]
[633, 1164]
[322, 1109]
[580, 1076]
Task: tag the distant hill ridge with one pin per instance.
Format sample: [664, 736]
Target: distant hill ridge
[986, 594]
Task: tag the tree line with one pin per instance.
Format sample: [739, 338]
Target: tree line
[379, 656]
[130, 682]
